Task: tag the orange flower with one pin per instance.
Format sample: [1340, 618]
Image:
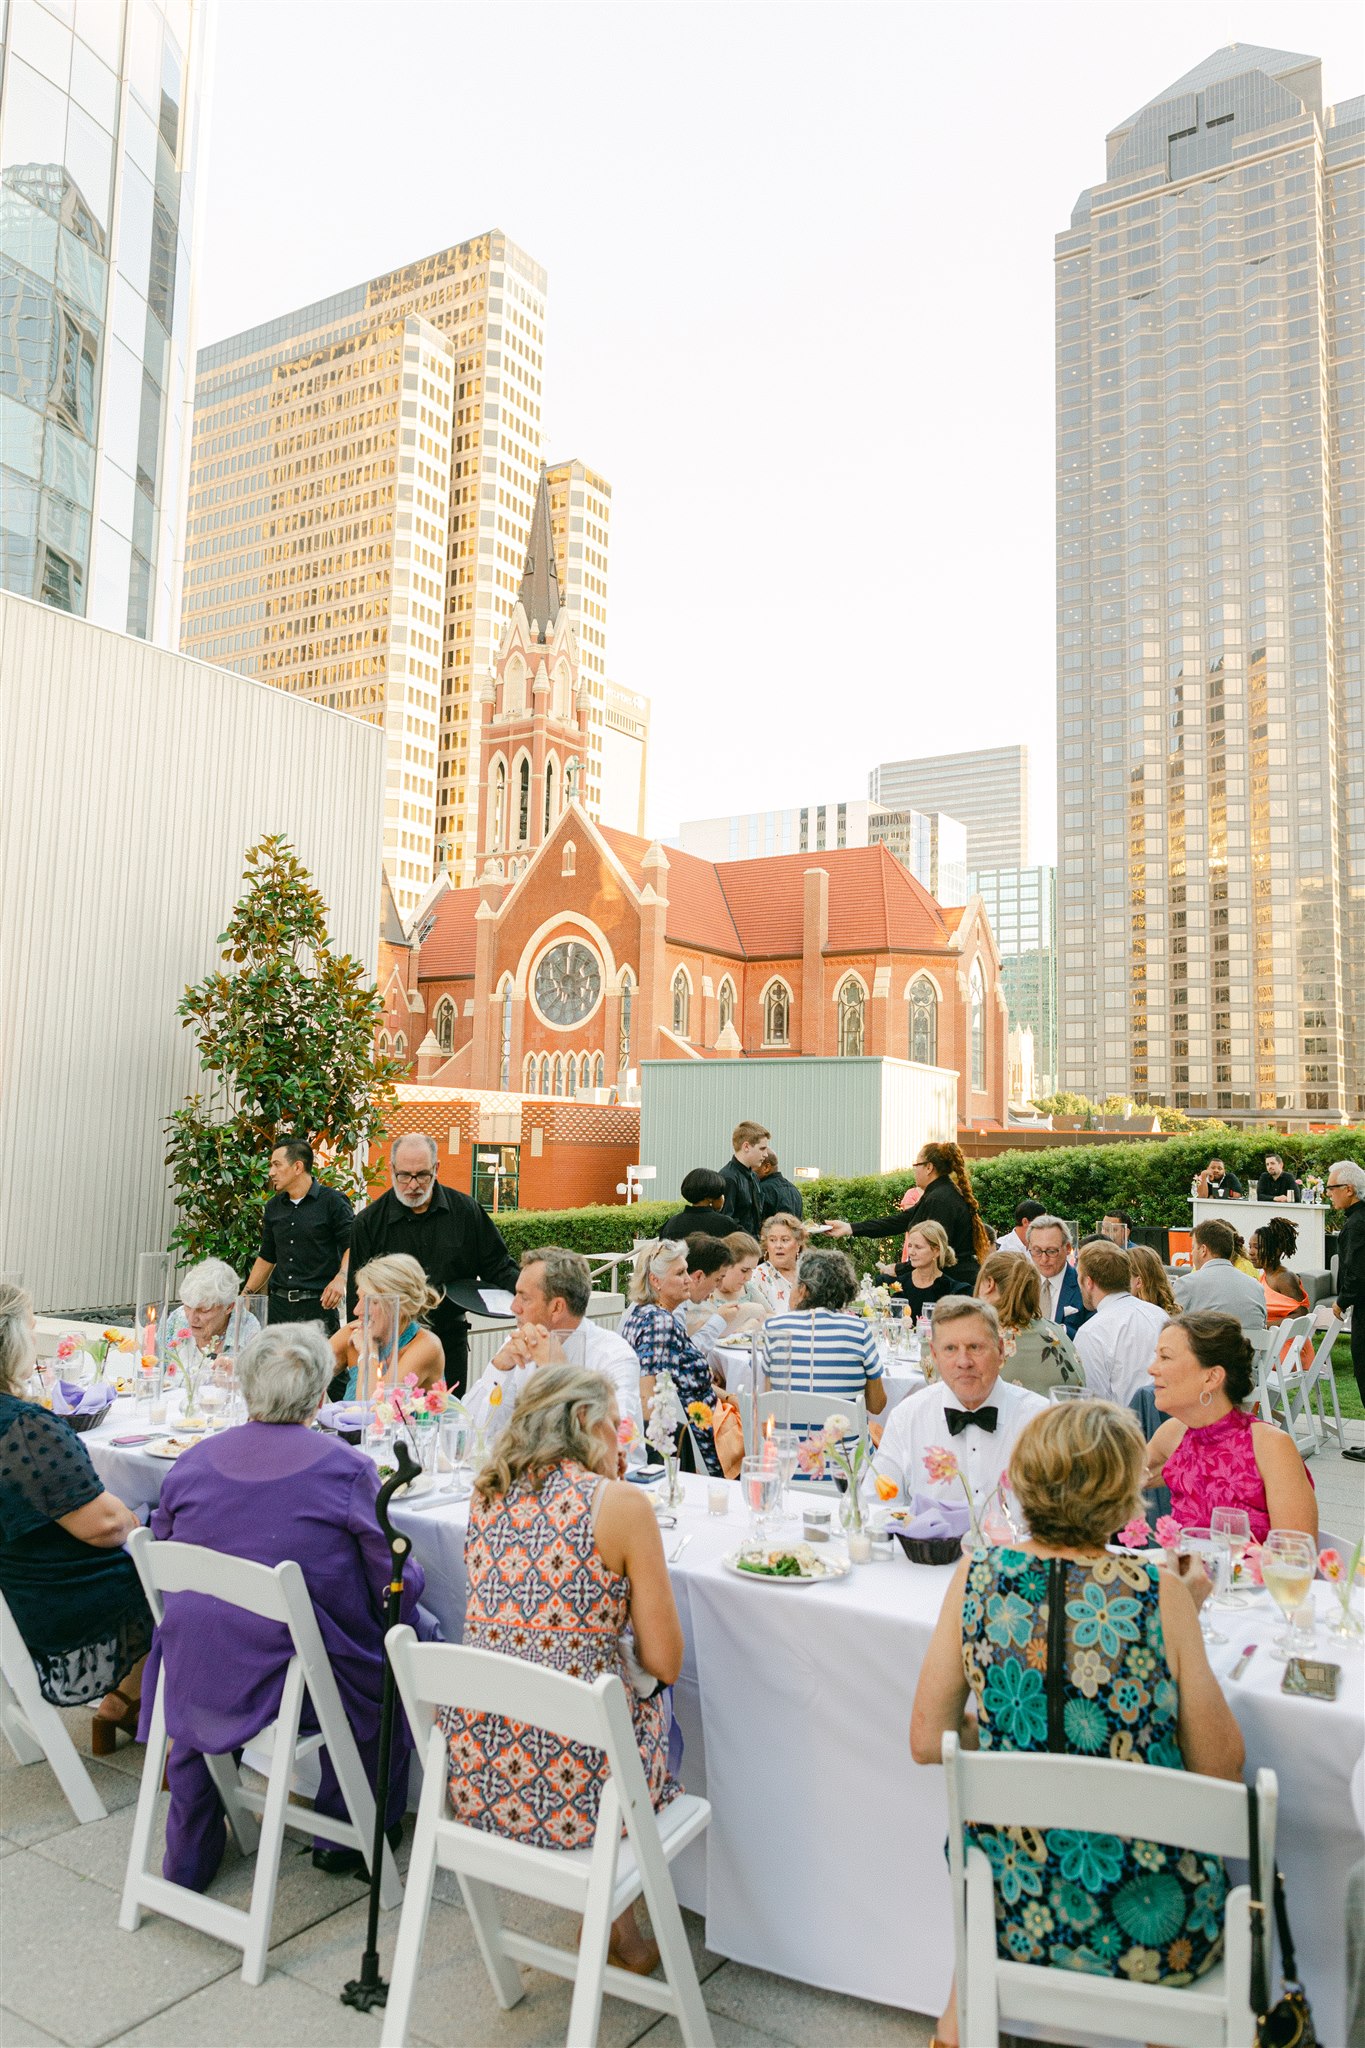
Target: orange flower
[700, 1413]
[887, 1489]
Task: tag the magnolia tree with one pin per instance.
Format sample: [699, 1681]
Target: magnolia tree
[286, 1033]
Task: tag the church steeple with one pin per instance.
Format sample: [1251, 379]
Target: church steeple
[539, 594]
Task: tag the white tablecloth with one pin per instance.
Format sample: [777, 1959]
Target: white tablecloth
[824, 1858]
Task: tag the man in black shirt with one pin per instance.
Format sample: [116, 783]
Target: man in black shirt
[742, 1197]
[779, 1196]
[1218, 1181]
[704, 1193]
[453, 1240]
[305, 1241]
[1275, 1185]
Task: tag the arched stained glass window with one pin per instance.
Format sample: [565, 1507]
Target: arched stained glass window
[599, 1072]
[444, 1024]
[523, 802]
[549, 794]
[544, 1074]
[727, 1003]
[505, 1040]
[850, 1000]
[923, 1021]
[977, 986]
[777, 1015]
[558, 1084]
[682, 1004]
[627, 1009]
[528, 1071]
[499, 806]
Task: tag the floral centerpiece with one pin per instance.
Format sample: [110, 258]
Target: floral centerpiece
[1313, 1191]
[845, 1454]
[666, 1418]
[1343, 1578]
[871, 1302]
[993, 1523]
[96, 1348]
[187, 1363]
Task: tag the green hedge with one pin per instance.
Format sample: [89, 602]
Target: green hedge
[1150, 1181]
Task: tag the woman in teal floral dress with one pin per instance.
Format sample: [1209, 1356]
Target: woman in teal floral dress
[1132, 1681]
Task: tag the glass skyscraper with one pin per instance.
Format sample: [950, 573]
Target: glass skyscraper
[1211, 770]
[1021, 904]
[98, 135]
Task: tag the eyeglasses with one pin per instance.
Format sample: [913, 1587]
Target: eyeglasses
[415, 1180]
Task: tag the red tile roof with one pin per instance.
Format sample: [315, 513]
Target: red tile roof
[753, 908]
[448, 946]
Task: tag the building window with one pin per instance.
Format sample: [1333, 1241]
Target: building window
[523, 802]
[727, 1002]
[599, 1072]
[682, 1003]
[400, 1046]
[529, 1074]
[627, 1010]
[549, 795]
[499, 805]
[383, 1044]
[923, 1021]
[569, 864]
[978, 1028]
[850, 1001]
[777, 1015]
[557, 1083]
[585, 1072]
[571, 1076]
[544, 1074]
[505, 1040]
[444, 1025]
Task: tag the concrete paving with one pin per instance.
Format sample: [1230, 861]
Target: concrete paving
[70, 1977]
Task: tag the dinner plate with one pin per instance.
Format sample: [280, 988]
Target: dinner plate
[834, 1568]
[170, 1447]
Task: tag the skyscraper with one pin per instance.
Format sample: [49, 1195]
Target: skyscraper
[987, 789]
[99, 129]
[475, 467]
[1021, 904]
[1210, 386]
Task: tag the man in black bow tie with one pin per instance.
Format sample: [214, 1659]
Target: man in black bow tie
[969, 1410]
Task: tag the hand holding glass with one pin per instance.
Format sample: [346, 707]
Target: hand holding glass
[1213, 1554]
[1234, 1526]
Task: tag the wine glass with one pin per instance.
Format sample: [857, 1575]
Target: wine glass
[1234, 1526]
[1288, 1562]
[1213, 1553]
[786, 1444]
[760, 1489]
[453, 1452]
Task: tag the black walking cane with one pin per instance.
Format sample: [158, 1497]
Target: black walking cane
[369, 1989]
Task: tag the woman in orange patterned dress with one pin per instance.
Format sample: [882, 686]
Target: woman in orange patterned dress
[565, 1568]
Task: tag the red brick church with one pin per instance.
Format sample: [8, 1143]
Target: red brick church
[583, 951]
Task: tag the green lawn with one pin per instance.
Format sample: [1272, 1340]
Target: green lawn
[1347, 1392]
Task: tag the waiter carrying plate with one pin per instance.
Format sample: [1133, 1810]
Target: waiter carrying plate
[452, 1238]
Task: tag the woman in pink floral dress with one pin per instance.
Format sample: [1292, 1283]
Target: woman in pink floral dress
[565, 1568]
[1212, 1453]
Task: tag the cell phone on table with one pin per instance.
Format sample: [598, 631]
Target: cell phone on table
[1312, 1679]
[651, 1476]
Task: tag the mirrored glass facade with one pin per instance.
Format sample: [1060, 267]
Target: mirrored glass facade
[1021, 904]
[986, 788]
[1211, 760]
[98, 139]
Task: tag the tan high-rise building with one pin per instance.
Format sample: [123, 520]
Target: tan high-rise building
[1211, 736]
[625, 758]
[287, 504]
[580, 520]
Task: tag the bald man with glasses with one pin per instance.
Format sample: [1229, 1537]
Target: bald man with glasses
[452, 1238]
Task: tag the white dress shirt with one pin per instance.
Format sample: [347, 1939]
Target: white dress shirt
[1116, 1347]
[590, 1346]
[1013, 1243]
[917, 1424]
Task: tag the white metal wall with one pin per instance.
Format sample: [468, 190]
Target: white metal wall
[133, 782]
[919, 1104]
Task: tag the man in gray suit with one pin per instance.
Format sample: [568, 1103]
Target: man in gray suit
[1216, 1282]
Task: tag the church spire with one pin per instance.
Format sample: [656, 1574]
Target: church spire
[539, 593]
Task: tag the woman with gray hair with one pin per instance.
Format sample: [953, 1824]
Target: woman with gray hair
[73, 1590]
[208, 1295]
[831, 1351]
[562, 1564]
[271, 1490]
[658, 1286]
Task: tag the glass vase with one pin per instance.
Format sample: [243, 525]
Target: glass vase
[1346, 1624]
[673, 1486]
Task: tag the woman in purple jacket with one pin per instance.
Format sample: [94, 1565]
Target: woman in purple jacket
[271, 1490]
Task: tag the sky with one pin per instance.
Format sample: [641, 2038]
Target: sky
[799, 316]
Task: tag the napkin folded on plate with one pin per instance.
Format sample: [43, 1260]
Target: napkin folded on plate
[69, 1397]
[936, 1518]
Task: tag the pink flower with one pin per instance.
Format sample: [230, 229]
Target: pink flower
[941, 1465]
[625, 1432]
[1330, 1564]
[68, 1346]
[1169, 1532]
[810, 1459]
[1251, 1564]
[1135, 1535]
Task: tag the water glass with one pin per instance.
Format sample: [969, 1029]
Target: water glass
[1060, 1394]
[452, 1463]
[1234, 1526]
[1288, 1564]
[1213, 1553]
[147, 1383]
[786, 1445]
[761, 1489]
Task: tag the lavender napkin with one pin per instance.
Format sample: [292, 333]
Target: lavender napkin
[937, 1518]
[70, 1398]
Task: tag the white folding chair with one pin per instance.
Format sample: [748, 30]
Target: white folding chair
[279, 1594]
[1274, 1382]
[1317, 1382]
[806, 1411]
[1208, 1815]
[32, 1726]
[599, 1882]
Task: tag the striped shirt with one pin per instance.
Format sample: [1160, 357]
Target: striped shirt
[830, 1354]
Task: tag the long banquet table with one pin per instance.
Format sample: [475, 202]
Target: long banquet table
[824, 1858]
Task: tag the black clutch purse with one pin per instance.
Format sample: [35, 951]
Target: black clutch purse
[1289, 2022]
